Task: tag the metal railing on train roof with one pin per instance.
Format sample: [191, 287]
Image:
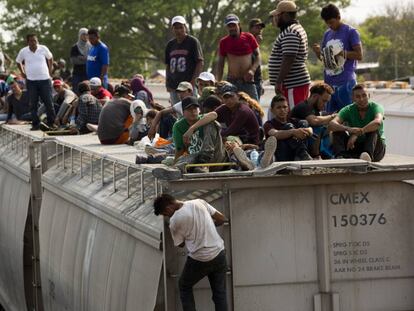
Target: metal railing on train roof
[79, 161]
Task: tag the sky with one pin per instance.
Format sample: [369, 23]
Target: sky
[359, 10]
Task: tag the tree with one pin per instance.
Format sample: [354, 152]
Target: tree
[389, 39]
[137, 31]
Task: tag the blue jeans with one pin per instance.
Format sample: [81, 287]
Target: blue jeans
[341, 97]
[41, 89]
[325, 147]
[194, 271]
[247, 87]
[3, 116]
[259, 88]
[174, 98]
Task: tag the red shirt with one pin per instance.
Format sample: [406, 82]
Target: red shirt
[243, 45]
[102, 93]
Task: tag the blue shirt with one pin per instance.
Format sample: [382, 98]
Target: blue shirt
[98, 56]
[345, 37]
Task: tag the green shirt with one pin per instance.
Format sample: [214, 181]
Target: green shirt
[350, 116]
[179, 128]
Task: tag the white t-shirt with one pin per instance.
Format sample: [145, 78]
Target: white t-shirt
[178, 108]
[193, 224]
[35, 63]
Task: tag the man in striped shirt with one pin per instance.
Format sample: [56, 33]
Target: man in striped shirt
[287, 68]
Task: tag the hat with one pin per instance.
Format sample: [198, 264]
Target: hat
[207, 91]
[256, 22]
[189, 101]
[178, 19]
[95, 82]
[83, 31]
[211, 102]
[231, 19]
[138, 109]
[284, 6]
[121, 90]
[228, 89]
[184, 86]
[206, 76]
[57, 82]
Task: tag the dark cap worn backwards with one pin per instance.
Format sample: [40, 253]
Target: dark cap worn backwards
[231, 19]
[122, 90]
[189, 101]
[228, 89]
[256, 22]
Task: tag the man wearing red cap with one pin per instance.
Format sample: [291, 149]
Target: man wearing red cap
[62, 101]
[239, 48]
[287, 61]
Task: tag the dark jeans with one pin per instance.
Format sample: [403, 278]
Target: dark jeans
[247, 87]
[194, 271]
[76, 79]
[41, 89]
[288, 148]
[371, 143]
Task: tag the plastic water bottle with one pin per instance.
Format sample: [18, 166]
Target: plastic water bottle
[254, 157]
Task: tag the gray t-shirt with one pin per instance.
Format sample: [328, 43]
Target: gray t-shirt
[112, 119]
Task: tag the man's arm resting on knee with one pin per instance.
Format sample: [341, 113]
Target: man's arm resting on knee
[374, 125]
[336, 126]
[314, 120]
[206, 119]
[153, 129]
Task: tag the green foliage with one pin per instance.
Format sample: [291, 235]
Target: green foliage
[389, 40]
[315, 70]
[137, 31]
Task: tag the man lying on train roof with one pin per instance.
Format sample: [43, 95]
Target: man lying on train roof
[359, 128]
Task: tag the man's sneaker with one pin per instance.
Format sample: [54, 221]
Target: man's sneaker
[48, 127]
[155, 158]
[269, 151]
[244, 161]
[92, 127]
[167, 173]
[303, 155]
[44, 127]
[151, 150]
[365, 156]
[140, 159]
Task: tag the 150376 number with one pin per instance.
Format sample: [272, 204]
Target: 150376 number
[359, 220]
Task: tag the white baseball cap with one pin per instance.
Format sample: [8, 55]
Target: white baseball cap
[178, 19]
[95, 82]
[207, 76]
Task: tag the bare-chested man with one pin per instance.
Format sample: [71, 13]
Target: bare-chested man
[238, 47]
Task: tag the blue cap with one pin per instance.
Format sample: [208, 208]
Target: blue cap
[231, 19]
